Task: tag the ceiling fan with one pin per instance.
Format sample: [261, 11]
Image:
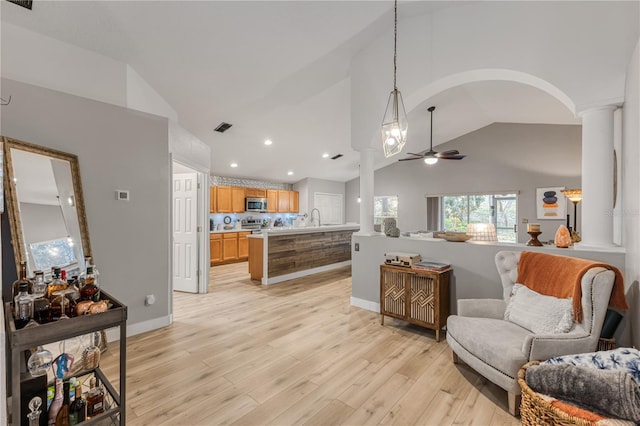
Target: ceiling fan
[431, 156]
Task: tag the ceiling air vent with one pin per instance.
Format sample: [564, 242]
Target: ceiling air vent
[24, 3]
[223, 127]
[335, 157]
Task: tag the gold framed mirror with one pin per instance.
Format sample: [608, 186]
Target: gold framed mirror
[45, 206]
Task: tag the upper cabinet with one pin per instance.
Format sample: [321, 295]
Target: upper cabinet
[294, 201]
[283, 202]
[272, 201]
[213, 195]
[223, 200]
[231, 199]
[256, 192]
[237, 199]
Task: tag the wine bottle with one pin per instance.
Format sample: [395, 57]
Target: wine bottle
[78, 409]
[62, 417]
[56, 404]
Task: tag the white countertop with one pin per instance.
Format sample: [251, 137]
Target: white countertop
[224, 231]
[306, 230]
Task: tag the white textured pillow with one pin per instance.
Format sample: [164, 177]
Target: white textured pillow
[539, 313]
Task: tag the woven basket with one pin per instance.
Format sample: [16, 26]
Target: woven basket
[535, 411]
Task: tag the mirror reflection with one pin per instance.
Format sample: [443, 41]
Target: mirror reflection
[45, 204]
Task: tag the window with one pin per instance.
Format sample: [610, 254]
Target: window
[457, 211]
[385, 207]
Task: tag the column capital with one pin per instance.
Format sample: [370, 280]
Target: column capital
[597, 108]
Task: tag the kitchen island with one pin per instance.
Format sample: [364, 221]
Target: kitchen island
[280, 254]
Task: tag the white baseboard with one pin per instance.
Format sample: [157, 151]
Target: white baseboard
[365, 304]
[113, 334]
[299, 274]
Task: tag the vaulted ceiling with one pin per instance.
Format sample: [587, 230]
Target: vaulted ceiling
[276, 70]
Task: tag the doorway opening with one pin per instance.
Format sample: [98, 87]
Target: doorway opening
[189, 252]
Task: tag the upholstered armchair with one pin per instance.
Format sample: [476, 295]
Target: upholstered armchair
[496, 348]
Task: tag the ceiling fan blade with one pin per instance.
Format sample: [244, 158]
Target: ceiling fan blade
[420, 154]
[450, 152]
[452, 157]
[413, 158]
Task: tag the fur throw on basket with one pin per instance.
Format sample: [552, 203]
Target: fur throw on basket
[610, 392]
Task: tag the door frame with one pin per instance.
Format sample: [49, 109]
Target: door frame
[203, 226]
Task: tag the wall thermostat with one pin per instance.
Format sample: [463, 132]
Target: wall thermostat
[122, 195]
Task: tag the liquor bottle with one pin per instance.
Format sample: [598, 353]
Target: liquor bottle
[41, 304]
[91, 354]
[56, 284]
[56, 404]
[23, 306]
[62, 418]
[22, 278]
[95, 399]
[90, 290]
[78, 409]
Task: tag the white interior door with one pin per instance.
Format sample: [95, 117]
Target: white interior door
[331, 207]
[185, 232]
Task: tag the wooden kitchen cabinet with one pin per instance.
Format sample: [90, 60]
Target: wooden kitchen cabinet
[237, 199]
[243, 245]
[227, 199]
[215, 248]
[283, 201]
[272, 201]
[294, 201]
[223, 199]
[229, 246]
[256, 192]
[416, 296]
[212, 199]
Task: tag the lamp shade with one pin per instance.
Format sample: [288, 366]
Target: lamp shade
[482, 231]
[394, 125]
[574, 195]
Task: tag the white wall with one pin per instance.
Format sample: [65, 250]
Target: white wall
[117, 148]
[188, 149]
[631, 192]
[36, 59]
[43, 61]
[551, 41]
[308, 187]
[500, 157]
[141, 96]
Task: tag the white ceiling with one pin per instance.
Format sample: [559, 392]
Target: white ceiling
[274, 69]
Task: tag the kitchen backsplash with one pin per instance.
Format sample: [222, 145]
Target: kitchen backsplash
[247, 183]
[218, 218]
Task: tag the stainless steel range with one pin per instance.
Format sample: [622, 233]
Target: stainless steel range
[251, 223]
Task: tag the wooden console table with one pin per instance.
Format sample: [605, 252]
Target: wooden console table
[417, 296]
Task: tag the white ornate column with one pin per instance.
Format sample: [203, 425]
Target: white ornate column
[597, 177]
[366, 191]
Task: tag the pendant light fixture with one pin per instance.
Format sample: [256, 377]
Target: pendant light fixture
[394, 123]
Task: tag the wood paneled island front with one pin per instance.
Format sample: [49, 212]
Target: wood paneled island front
[278, 255]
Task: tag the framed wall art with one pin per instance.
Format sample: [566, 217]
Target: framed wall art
[551, 203]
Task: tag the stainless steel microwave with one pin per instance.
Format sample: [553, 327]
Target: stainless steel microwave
[255, 204]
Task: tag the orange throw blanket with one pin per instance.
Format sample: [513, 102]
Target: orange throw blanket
[560, 276]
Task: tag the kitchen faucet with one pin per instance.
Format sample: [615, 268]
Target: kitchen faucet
[311, 215]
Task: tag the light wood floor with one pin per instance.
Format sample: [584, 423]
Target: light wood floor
[296, 353]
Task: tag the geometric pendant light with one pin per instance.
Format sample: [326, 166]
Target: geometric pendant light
[394, 123]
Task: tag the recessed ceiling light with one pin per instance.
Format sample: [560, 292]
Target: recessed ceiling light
[268, 142]
[325, 155]
[234, 164]
[289, 173]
